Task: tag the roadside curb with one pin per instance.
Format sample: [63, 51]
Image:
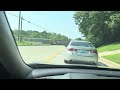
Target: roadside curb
[109, 52]
[109, 63]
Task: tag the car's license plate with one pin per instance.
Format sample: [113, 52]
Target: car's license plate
[84, 51]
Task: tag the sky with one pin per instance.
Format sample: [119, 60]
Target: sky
[60, 22]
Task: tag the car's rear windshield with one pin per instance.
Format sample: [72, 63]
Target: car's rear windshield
[86, 44]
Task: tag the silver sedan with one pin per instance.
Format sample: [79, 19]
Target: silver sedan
[82, 52]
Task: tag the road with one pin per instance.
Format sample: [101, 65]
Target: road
[40, 54]
[45, 54]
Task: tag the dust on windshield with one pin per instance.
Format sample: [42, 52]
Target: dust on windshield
[44, 37]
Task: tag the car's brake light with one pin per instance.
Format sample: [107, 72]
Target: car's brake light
[93, 51]
[71, 49]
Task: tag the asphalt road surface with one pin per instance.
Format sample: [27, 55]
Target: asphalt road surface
[45, 54]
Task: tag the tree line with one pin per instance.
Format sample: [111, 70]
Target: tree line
[99, 27]
[36, 34]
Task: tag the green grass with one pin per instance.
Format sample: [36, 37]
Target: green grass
[111, 47]
[114, 57]
[28, 43]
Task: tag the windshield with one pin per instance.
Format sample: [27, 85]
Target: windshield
[43, 36]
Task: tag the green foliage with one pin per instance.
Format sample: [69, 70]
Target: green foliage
[114, 57]
[110, 47]
[78, 38]
[29, 43]
[25, 43]
[99, 27]
[36, 34]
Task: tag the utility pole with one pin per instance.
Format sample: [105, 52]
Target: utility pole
[21, 30]
[19, 26]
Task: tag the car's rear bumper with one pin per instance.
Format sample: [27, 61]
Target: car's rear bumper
[81, 58]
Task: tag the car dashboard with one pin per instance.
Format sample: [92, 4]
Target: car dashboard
[76, 76]
[66, 73]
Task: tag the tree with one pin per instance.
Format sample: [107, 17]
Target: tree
[78, 39]
[36, 34]
[99, 27]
